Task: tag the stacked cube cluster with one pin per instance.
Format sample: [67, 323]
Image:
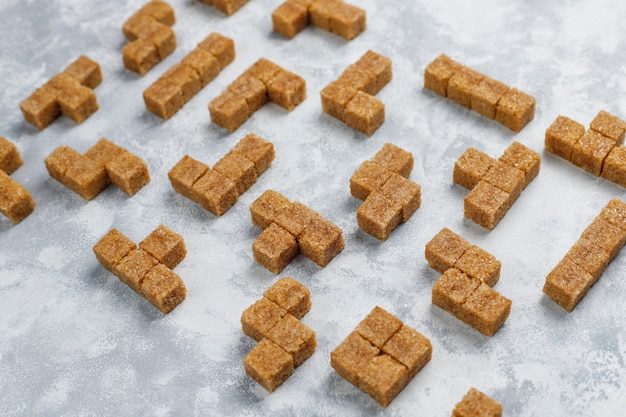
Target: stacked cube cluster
[464, 290]
[381, 356]
[585, 262]
[262, 82]
[598, 150]
[334, 16]
[184, 80]
[477, 404]
[390, 197]
[151, 38]
[284, 341]
[69, 93]
[291, 228]
[218, 189]
[104, 163]
[228, 7]
[147, 269]
[494, 184]
[16, 203]
[351, 99]
[475, 91]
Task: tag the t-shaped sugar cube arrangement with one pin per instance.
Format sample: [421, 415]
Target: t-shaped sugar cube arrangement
[16, 203]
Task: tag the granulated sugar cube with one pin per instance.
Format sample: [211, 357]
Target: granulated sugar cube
[290, 295]
[378, 326]
[438, 73]
[10, 158]
[268, 364]
[290, 18]
[471, 167]
[112, 248]
[445, 249]
[365, 113]
[128, 172]
[379, 215]
[258, 319]
[238, 169]
[477, 404]
[215, 192]
[265, 208]
[294, 337]
[257, 150]
[184, 175]
[609, 126]
[395, 159]
[591, 150]
[479, 264]
[405, 192]
[167, 246]
[515, 109]
[486, 205]
[562, 136]
[321, 241]
[369, 177]
[163, 288]
[275, 248]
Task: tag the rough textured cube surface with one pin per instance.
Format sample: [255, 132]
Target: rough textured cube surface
[112, 248]
[334, 16]
[267, 207]
[268, 364]
[290, 295]
[227, 7]
[379, 215]
[275, 248]
[321, 241]
[290, 18]
[10, 158]
[295, 338]
[445, 249]
[486, 205]
[515, 109]
[16, 203]
[477, 404]
[167, 246]
[395, 159]
[128, 172]
[258, 319]
[438, 73]
[562, 136]
[369, 177]
[163, 288]
[591, 150]
[609, 126]
[471, 167]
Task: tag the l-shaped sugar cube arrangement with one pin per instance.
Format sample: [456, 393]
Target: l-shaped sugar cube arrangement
[383, 354]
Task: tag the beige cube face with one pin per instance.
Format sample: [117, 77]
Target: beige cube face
[445, 249]
[614, 166]
[379, 215]
[405, 192]
[486, 205]
[112, 248]
[287, 90]
[290, 295]
[562, 136]
[268, 364]
[379, 326]
[438, 73]
[163, 98]
[220, 47]
[523, 158]
[295, 338]
[258, 319]
[462, 84]
[567, 284]
[215, 192]
[185, 174]
[41, 108]
[471, 167]
[478, 263]
[16, 203]
[85, 71]
[321, 241]
[229, 111]
[609, 126]
[163, 288]
[128, 172]
[290, 18]
[238, 169]
[383, 378]
[591, 150]
[369, 177]
[10, 158]
[410, 348]
[395, 159]
[515, 109]
[365, 113]
[266, 208]
[257, 150]
[167, 246]
[275, 248]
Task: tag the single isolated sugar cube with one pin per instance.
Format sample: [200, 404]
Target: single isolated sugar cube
[321, 241]
[268, 364]
[257, 150]
[379, 326]
[480, 264]
[184, 175]
[438, 73]
[567, 284]
[275, 248]
[265, 208]
[290, 18]
[10, 158]
[523, 158]
[167, 246]
[591, 150]
[290, 295]
[258, 319]
[471, 167]
[405, 192]
[395, 159]
[163, 288]
[410, 348]
[515, 109]
[351, 356]
[379, 215]
[365, 113]
[562, 135]
[128, 172]
[369, 177]
[477, 404]
[294, 337]
[238, 169]
[112, 248]
[215, 192]
[383, 378]
[16, 203]
[610, 126]
[486, 205]
[445, 249]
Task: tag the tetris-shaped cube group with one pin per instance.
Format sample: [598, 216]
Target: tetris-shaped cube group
[334, 16]
[147, 269]
[262, 82]
[284, 341]
[585, 262]
[103, 163]
[228, 7]
[381, 356]
[184, 80]
[351, 99]
[151, 39]
[390, 197]
[598, 150]
[15, 201]
[469, 88]
[464, 290]
[494, 184]
[291, 228]
[477, 404]
[69, 93]
[218, 189]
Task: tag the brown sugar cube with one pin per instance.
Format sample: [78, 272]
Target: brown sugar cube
[477, 404]
[163, 98]
[410, 348]
[305, 3]
[58, 162]
[515, 109]
[445, 249]
[85, 178]
[112, 248]
[615, 213]
[163, 288]
[589, 256]
[76, 101]
[359, 77]
[41, 108]
[378, 326]
[379, 68]
[471, 167]
[167, 246]
[379, 215]
[204, 63]
[186, 78]
[562, 135]
[103, 151]
[290, 18]
[287, 90]
[614, 166]
[523, 158]
[335, 96]
[85, 71]
[161, 11]
[294, 337]
[507, 178]
[140, 56]
[486, 205]
[238, 169]
[462, 84]
[485, 310]
[264, 70]
[250, 89]
[215, 192]
[405, 192]
[268, 365]
[452, 290]
[257, 150]
[184, 175]
[320, 12]
[383, 378]
[365, 113]
[485, 96]
[275, 248]
[438, 73]
[258, 319]
[220, 47]
[162, 37]
[395, 159]
[16, 203]
[351, 356]
[369, 177]
[229, 7]
[128, 172]
[265, 208]
[229, 111]
[10, 158]
[609, 237]
[295, 218]
[137, 23]
[132, 269]
[610, 126]
[480, 264]
[290, 295]
[591, 150]
[567, 284]
[347, 21]
[321, 241]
